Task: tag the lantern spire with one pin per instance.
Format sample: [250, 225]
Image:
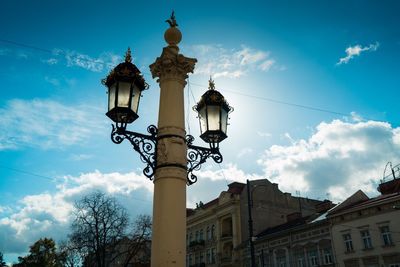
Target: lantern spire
[128, 56]
[211, 84]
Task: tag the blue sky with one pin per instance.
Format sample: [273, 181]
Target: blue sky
[55, 145]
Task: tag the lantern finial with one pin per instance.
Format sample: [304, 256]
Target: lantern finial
[128, 56]
[211, 84]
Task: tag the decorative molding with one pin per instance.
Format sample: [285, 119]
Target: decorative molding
[172, 65]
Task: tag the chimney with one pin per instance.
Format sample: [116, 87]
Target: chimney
[323, 206]
[389, 187]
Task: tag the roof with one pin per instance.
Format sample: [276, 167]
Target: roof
[370, 202]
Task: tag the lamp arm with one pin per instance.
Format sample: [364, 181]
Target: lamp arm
[196, 156]
[145, 145]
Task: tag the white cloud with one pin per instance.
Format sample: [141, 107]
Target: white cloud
[52, 81]
[46, 124]
[105, 60]
[80, 157]
[49, 214]
[263, 134]
[244, 152]
[51, 61]
[70, 58]
[356, 50]
[218, 61]
[339, 158]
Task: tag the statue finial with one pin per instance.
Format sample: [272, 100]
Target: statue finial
[211, 84]
[128, 56]
[172, 21]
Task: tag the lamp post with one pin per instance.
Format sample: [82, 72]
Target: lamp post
[169, 154]
[249, 207]
[250, 222]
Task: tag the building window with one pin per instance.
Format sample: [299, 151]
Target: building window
[208, 233]
[213, 231]
[386, 237]
[208, 256]
[213, 254]
[190, 259]
[190, 237]
[300, 262]
[366, 238]
[201, 235]
[201, 257]
[348, 242]
[313, 258]
[327, 256]
[197, 236]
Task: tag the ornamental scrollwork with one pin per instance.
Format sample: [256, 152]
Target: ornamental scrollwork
[145, 145]
[198, 155]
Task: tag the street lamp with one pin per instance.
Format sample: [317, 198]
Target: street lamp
[213, 112]
[125, 85]
[169, 154]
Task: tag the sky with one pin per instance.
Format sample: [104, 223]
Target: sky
[314, 86]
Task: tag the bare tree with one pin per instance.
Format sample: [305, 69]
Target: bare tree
[100, 224]
[69, 254]
[136, 246]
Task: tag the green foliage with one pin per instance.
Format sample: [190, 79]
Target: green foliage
[41, 254]
[2, 263]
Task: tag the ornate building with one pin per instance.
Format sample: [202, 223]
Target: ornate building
[217, 230]
[366, 231]
[301, 241]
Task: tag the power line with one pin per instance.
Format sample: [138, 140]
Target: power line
[272, 100]
[53, 52]
[28, 173]
[25, 45]
[284, 102]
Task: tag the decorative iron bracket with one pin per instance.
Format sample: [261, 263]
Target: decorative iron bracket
[145, 145]
[196, 156]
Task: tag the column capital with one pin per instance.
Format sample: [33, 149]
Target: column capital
[173, 65]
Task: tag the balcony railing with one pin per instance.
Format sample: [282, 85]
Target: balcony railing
[197, 243]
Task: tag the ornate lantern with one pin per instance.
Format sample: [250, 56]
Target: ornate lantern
[213, 111]
[125, 85]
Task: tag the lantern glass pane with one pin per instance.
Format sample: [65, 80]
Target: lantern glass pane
[203, 120]
[213, 118]
[135, 98]
[124, 94]
[111, 97]
[224, 120]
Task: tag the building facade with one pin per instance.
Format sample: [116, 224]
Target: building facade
[366, 231]
[303, 241]
[217, 230]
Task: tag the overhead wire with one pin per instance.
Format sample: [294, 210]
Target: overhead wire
[28, 173]
[283, 102]
[272, 100]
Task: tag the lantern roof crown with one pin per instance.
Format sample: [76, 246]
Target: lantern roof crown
[126, 72]
[212, 97]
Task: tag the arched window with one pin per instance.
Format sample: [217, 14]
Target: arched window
[213, 231]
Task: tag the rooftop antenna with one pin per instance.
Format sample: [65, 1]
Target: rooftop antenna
[384, 171]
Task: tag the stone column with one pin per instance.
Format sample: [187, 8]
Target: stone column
[169, 206]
